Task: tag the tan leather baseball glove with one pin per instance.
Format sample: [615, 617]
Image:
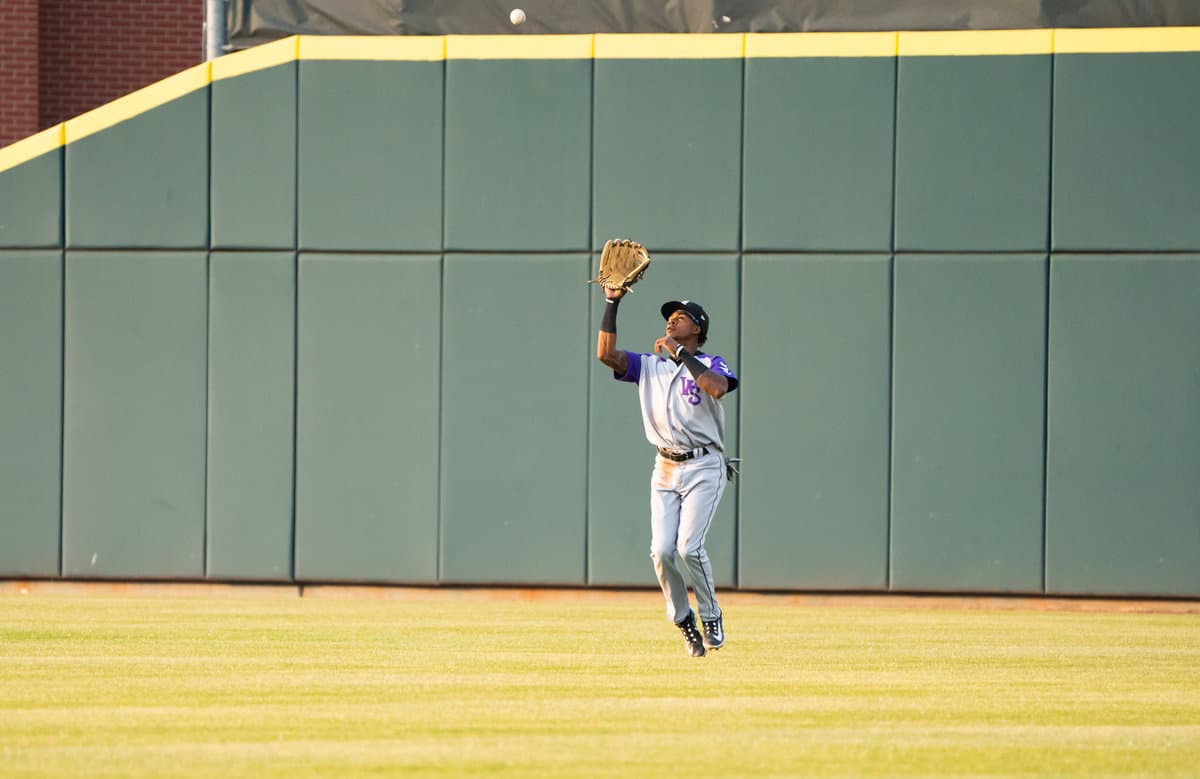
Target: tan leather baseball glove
[622, 264]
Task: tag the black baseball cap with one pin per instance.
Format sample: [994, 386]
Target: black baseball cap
[692, 309]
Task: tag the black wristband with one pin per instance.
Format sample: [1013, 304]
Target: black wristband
[608, 321]
[691, 362]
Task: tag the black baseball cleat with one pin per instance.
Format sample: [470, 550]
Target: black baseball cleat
[714, 634]
[691, 636]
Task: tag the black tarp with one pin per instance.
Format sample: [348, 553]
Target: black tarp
[256, 21]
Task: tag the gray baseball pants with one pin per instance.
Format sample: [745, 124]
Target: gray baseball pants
[683, 501]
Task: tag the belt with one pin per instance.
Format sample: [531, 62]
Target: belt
[681, 456]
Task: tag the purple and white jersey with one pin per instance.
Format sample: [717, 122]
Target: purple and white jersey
[676, 413]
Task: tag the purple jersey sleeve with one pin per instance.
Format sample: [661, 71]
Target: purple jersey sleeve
[633, 368]
[720, 367]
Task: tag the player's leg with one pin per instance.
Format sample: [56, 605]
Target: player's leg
[702, 488]
[664, 531]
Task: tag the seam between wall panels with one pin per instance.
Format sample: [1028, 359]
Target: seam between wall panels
[741, 244]
[587, 438]
[62, 357]
[63, 456]
[205, 563]
[589, 246]
[62, 411]
[737, 486]
[437, 563]
[588, 254]
[204, 549]
[295, 319]
[891, 363]
[1046, 327]
[1045, 420]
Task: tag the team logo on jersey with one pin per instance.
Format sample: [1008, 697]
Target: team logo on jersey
[690, 390]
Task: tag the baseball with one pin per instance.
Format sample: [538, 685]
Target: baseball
[517, 16]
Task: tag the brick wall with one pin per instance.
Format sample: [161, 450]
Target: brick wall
[18, 69]
[93, 51]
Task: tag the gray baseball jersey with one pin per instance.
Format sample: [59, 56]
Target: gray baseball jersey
[676, 413]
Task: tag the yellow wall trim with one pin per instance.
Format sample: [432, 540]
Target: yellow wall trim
[519, 47]
[35, 145]
[420, 48]
[261, 57]
[976, 43]
[129, 106]
[1127, 40]
[821, 44]
[670, 46]
[605, 46]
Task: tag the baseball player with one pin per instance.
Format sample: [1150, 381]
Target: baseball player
[680, 390]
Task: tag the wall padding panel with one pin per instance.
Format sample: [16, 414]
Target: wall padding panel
[818, 153]
[251, 348]
[367, 418]
[968, 430]
[973, 153]
[134, 417]
[618, 543]
[514, 419]
[518, 154]
[142, 183]
[30, 411]
[671, 178]
[370, 164]
[816, 335]
[1123, 454]
[31, 202]
[254, 159]
[1125, 167]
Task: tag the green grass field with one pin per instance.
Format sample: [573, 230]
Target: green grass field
[455, 684]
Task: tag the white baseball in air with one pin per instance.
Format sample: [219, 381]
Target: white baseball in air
[517, 16]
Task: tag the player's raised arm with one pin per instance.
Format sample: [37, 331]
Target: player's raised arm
[606, 344]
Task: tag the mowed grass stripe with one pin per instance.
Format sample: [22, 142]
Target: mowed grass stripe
[454, 686]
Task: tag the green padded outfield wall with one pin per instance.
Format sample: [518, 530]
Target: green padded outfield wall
[367, 417]
[31, 196]
[1122, 507]
[251, 389]
[31, 411]
[141, 180]
[322, 316]
[816, 335]
[1125, 176]
[1123, 496]
[619, 456]
[514, 418]
[370, 144]
[667, 141]
[819, 130]
[134, 414]
[253, 155]
[518, 144]
[967, 432]
[973, 141]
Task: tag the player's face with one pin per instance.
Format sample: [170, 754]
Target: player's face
[680, 325]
